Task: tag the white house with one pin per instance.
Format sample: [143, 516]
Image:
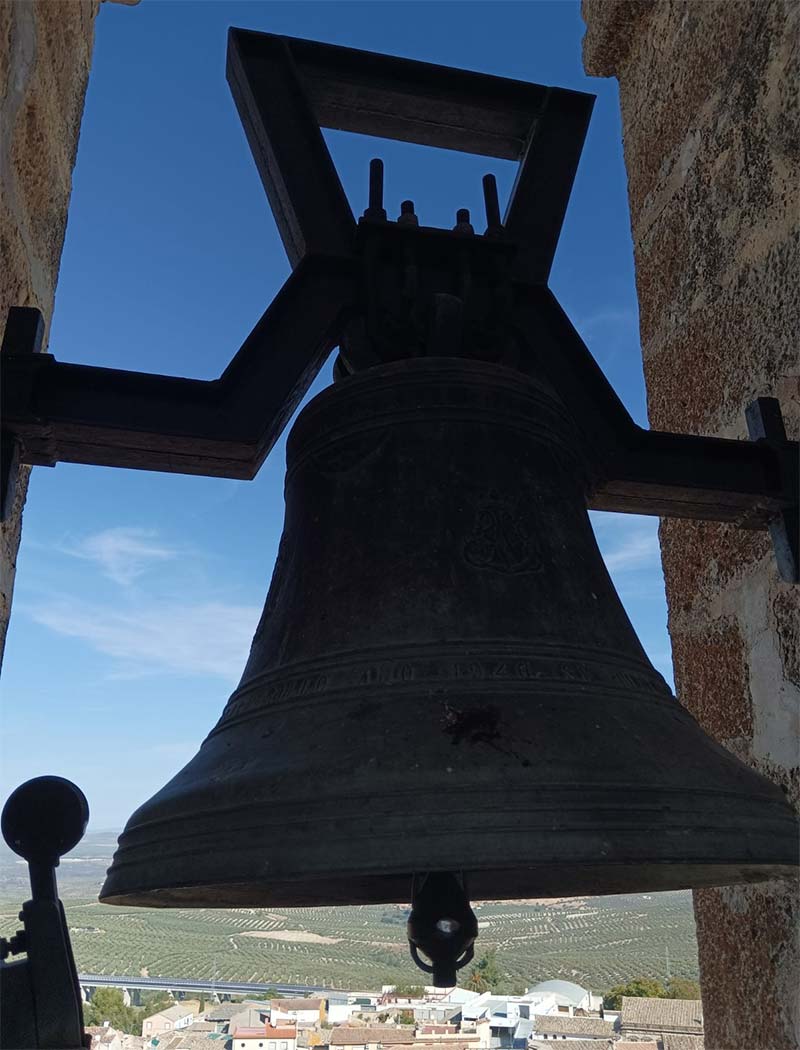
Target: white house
[170, 1020]
[339, 1012]
[310, 1011]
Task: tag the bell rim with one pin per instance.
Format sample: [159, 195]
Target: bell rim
[623, 878]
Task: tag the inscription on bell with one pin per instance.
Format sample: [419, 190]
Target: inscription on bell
[559, 666]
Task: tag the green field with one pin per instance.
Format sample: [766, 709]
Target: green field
[597, 942]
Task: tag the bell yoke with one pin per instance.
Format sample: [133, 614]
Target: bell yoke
[444, 696]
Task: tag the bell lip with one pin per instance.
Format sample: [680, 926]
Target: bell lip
[531, 883]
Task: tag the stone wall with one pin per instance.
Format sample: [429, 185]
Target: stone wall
[45, 52]
[709, 91]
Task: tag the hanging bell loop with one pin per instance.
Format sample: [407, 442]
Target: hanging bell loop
[442, 925]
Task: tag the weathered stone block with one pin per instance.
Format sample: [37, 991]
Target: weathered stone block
[712, 680]
[710, 97]
[735, 348]
[748, 947]
[45, 50]
[703, 557]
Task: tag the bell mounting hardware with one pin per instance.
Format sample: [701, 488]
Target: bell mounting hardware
[40, 999]
[285, 90]
[439, 611]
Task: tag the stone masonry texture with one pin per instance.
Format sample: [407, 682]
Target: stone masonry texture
[710, 99]
[45, 52]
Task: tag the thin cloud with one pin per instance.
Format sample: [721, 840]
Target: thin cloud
[604, 320]
[123, 553]
[204, 638]
[638, 551]
[627, 542]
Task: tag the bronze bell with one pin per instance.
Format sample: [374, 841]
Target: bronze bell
[444, 680]
[444, 695]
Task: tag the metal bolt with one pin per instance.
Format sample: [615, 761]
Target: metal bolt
[463, 225]
[407, 216]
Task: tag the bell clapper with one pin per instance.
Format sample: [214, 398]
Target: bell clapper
[442, 925]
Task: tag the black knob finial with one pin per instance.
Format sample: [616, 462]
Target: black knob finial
[44, 819]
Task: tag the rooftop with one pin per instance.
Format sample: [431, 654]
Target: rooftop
[284, 1005]
[383, 1034]
[225, 1011]
[101, 1034]
[174, 1013]
[451, 1044]
[682, 1042]
[658, 1015]
[582, 1044]
[562, 1024]
[193, 1041]
[263, 1031]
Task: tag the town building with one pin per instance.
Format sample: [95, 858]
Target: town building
[310, 1011]
[104, 1037]
[173, 1018]
[340, 1012]
[567, 995]
[441, 1013]
[187, 1040]
[263, 1037]
[372, 1037]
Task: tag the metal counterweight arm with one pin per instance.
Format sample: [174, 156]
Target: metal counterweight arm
[40, 1001]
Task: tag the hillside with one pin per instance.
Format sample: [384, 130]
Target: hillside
[597, 941]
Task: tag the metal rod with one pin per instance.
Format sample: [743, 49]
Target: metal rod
[375, 209]
[491, 203]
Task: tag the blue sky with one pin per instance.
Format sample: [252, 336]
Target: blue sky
[137, 594]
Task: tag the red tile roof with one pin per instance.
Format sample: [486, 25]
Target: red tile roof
[265, 1032]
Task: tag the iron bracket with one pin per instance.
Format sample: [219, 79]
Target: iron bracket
[23, 335]
[765, 426]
